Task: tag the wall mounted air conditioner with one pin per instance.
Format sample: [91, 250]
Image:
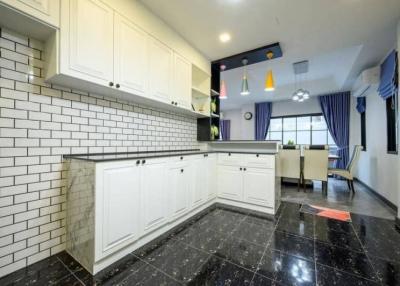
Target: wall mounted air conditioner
[366, 81]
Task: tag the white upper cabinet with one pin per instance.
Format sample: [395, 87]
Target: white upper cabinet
[154, 199]
[119, 206]
[47, 11]
[88, 32]
[130, 56]
[160, 59]
[182, 91]
[258, 185]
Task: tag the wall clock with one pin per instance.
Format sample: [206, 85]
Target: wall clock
[248, 115]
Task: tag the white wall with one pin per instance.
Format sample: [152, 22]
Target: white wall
[376, 168]
[241, 129]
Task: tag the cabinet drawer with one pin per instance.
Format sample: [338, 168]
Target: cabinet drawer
[260, 161]
[230, 159]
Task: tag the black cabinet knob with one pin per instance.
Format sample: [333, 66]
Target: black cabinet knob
[229, 154]
[240, 169]
[205, 155]
[111, 83]
[137, 162]
[257, 155]
[143, 161]
[181, 158]
[181, 170]
[244, 169]
[176, 103]
[172, 102]
[117, 85]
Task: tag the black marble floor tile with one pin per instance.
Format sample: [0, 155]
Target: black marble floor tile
[241, 252]
[347, 240]
[327, 276]
[323, 224]
[253, 233]
[207, 240]
[356, 263]
[217, 271]
[70, 280]
[293, 245]
[261, 221]
[388, 271]
[46, 272]
[259, 280]
[113, 274]
[287, 269]
[179, 261]
[298, 224]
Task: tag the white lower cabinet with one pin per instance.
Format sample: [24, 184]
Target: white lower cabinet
[230, 182]
[257, 185]
[118, 207]
[179, 178]
[154, 198]
[115, 207]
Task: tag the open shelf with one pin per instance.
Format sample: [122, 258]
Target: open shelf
[196, 92]
[214, 93]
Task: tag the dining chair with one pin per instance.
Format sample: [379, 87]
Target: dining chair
[347, 173]
[315, 166]
[289, 162]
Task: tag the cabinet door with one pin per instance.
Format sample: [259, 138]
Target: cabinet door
[230, 182]
[212, 175]
[130, 56]
[200, 179]
[121, 203]
[154, 205]
[179, 185]
[182, 81]
[159, 70]
[91, 41]
[45, 10]
[259, 186]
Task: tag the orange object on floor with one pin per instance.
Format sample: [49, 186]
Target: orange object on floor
[327, 212]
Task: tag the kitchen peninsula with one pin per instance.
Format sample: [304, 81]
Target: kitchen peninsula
[118, 202]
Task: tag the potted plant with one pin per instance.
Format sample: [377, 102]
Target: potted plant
[214, 132]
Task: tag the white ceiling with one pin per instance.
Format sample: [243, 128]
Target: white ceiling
[340, 38]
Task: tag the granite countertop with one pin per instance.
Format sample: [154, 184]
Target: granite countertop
[105, 157]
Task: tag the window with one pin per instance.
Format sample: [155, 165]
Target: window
[302, 129]
[391, 125]
[363, 132]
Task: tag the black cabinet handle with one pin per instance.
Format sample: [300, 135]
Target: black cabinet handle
[181, 158]
[244, 169]
[137, 162]
[257, 155]
[181, 170]
[111, 83]
[176, 103]
[172, 102]
[143, 161]
[229, 154]
[205, 155]
[117, 85]
[240, 169]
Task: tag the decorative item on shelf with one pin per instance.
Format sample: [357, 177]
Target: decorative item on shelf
[269, 77]
[300, 94]
[248, 115]
[290, 142]
[213, 105]
[245, 84]
[222, 89]
[214, 131]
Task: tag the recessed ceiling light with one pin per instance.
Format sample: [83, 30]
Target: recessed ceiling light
[224, 37]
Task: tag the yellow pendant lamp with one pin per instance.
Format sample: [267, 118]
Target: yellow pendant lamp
[269, 77]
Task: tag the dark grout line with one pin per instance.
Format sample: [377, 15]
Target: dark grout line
[70, 271]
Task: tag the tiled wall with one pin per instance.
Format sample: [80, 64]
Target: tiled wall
[38, 124]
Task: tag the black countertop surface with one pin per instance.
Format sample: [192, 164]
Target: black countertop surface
[105, 157]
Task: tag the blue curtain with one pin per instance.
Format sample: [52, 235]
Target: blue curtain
[336, 111]
[387, 85]
[262, 119]
[225, 127]
[361, 104]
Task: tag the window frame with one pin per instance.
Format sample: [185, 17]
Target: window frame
[296, 130]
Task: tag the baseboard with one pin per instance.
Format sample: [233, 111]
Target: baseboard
[376, 194]
[397, 223]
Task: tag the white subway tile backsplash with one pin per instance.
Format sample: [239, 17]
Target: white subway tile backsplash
[39, 123]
